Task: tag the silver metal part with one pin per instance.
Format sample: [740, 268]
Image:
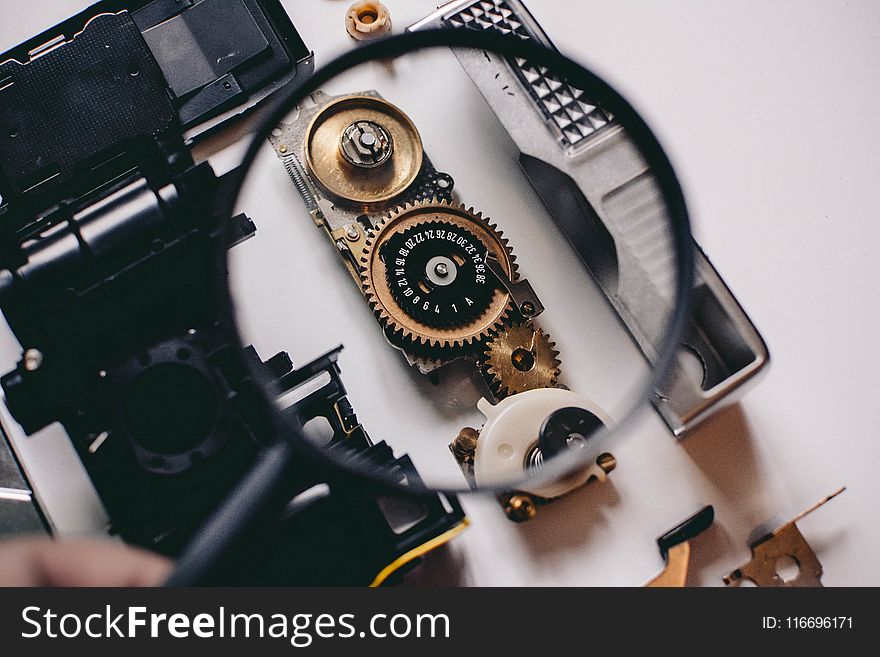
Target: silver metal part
[600, 191]
[366, 144]
[288, 143]
[300, 181]
[33, 358]
[523, 295]
[441, 270]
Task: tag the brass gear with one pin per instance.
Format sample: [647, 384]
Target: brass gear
[374, 184]
[410, 333]
[521, 357]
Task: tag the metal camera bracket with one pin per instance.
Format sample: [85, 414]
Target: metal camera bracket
[601, 193]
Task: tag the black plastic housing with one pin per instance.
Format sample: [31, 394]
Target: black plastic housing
[93, 97]
[108, 239]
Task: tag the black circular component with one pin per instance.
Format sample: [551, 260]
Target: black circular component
[567, 429]
[437, 273]
[170, 408]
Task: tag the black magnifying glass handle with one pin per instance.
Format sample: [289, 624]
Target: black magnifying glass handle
[257, 493]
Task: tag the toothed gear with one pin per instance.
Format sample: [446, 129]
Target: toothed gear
[520, 358]
[424, 274]
[437, 273]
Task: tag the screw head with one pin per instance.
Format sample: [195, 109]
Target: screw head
[527, 308]
[352, 232]
[465, 443]
[607, 462]
[33, 358]
[520, 508]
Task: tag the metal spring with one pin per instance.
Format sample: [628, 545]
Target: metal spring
[534, 458]
[298, 176]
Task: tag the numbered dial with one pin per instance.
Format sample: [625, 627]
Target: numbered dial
[437, 273]
[424, 273]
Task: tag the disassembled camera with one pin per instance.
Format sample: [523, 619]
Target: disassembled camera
[107, 280]
[106, 248]
[442, 281]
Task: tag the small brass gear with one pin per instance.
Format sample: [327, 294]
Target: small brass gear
[521, 357]
[423, 272]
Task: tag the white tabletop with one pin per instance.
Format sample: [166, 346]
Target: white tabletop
[770, 113]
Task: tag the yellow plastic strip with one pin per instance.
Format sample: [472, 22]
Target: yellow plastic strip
[418, 551]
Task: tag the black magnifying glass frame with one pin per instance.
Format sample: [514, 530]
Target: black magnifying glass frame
[600, 93]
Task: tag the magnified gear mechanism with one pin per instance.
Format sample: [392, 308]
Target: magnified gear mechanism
[424, 273]
[437, 273]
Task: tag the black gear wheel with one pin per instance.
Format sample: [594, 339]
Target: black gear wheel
[437, 273]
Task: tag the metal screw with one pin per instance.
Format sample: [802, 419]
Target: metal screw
[441, 269]
[607, 462]
[352, 233]
[33, 358]
[282, 148]
[465, 444]
[520, 508]
[527, 308]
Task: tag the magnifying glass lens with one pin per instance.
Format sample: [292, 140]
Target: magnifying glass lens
[494, 238]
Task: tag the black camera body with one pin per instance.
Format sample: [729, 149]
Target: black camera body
[108, 276]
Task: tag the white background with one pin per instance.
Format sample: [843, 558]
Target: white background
[770, 113]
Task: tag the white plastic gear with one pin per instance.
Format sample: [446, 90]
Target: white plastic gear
[367, 20]
[511, 431]
[407, 332]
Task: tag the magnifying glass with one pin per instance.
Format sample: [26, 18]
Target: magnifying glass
[494, 236]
